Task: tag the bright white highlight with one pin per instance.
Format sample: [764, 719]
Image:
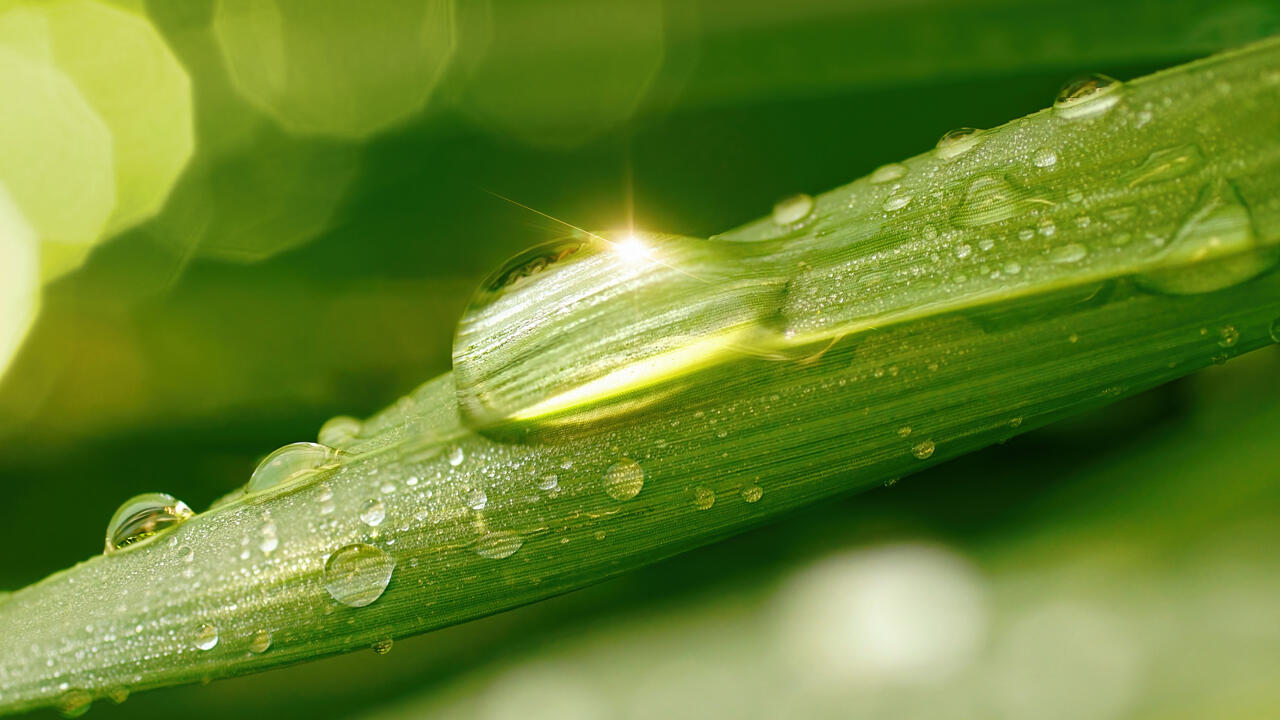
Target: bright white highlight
[632, 249]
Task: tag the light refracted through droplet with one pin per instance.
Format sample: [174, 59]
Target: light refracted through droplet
[142, 517]
[989, 199]
[290, 463]
[624, 479]
[1087, 96]
[704, 498]
[356, 575]
[923, 450]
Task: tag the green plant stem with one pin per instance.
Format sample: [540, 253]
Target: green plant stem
[881, 346]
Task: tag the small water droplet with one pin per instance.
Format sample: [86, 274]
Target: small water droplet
[923, 450]
[74, 703]
[904, 431]
[142, 517]
[358, 574]
[793, 209]
[549, 482]
[1044, 157]
[752, 493]
[339, 431]
[964, 250]
[897, 202]
[387, 488]
[206, 637]
[888, 173]
[1048, 228]
[498, 545]
[624, 479]
[260, 642]
[1070, 253]
[958, 142]
[477, 499]
[704, 497]
[456, 455]
[891, 482]
[185, 553]
[1015, 422]
[373, 512]
[1275, 330]
[291, 462]
[1087, 96]
[382, 647]
[1228, 336]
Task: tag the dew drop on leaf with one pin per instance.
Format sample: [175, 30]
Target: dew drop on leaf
[923, 450]
[752, 493]
[704, 497]
[957, 142]
[888, 173]
[373, 512]
[358, 574]
[339, 431]
[624, 479]
[1087, 96]
[793, 209]
[290, 463]
[260, 642]
[382, 647]
[206, 637]
[73, 703]
[142, 517]
[499, 544]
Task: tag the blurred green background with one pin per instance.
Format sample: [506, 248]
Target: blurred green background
[223, 222]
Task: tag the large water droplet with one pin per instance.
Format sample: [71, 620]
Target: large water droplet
[499, 544]
[291, 462]
[260, 642]
[142, 517]
[339, 431]
[958, 142]
[358, 574]
[989, 199]
[923, 450]
[792, 210]
[477, 499]
[887, 173]
[897, 201]
[373, 512]
[624, 479]
[1215, 248]
[383, 646]
[1088, 96]
[206, 637]
[1166, 164]
[752, 493]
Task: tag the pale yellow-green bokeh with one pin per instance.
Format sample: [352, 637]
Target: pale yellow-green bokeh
[19, 278]
[562, 72]
[132, 80]
[334, 68]
[55, 158]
